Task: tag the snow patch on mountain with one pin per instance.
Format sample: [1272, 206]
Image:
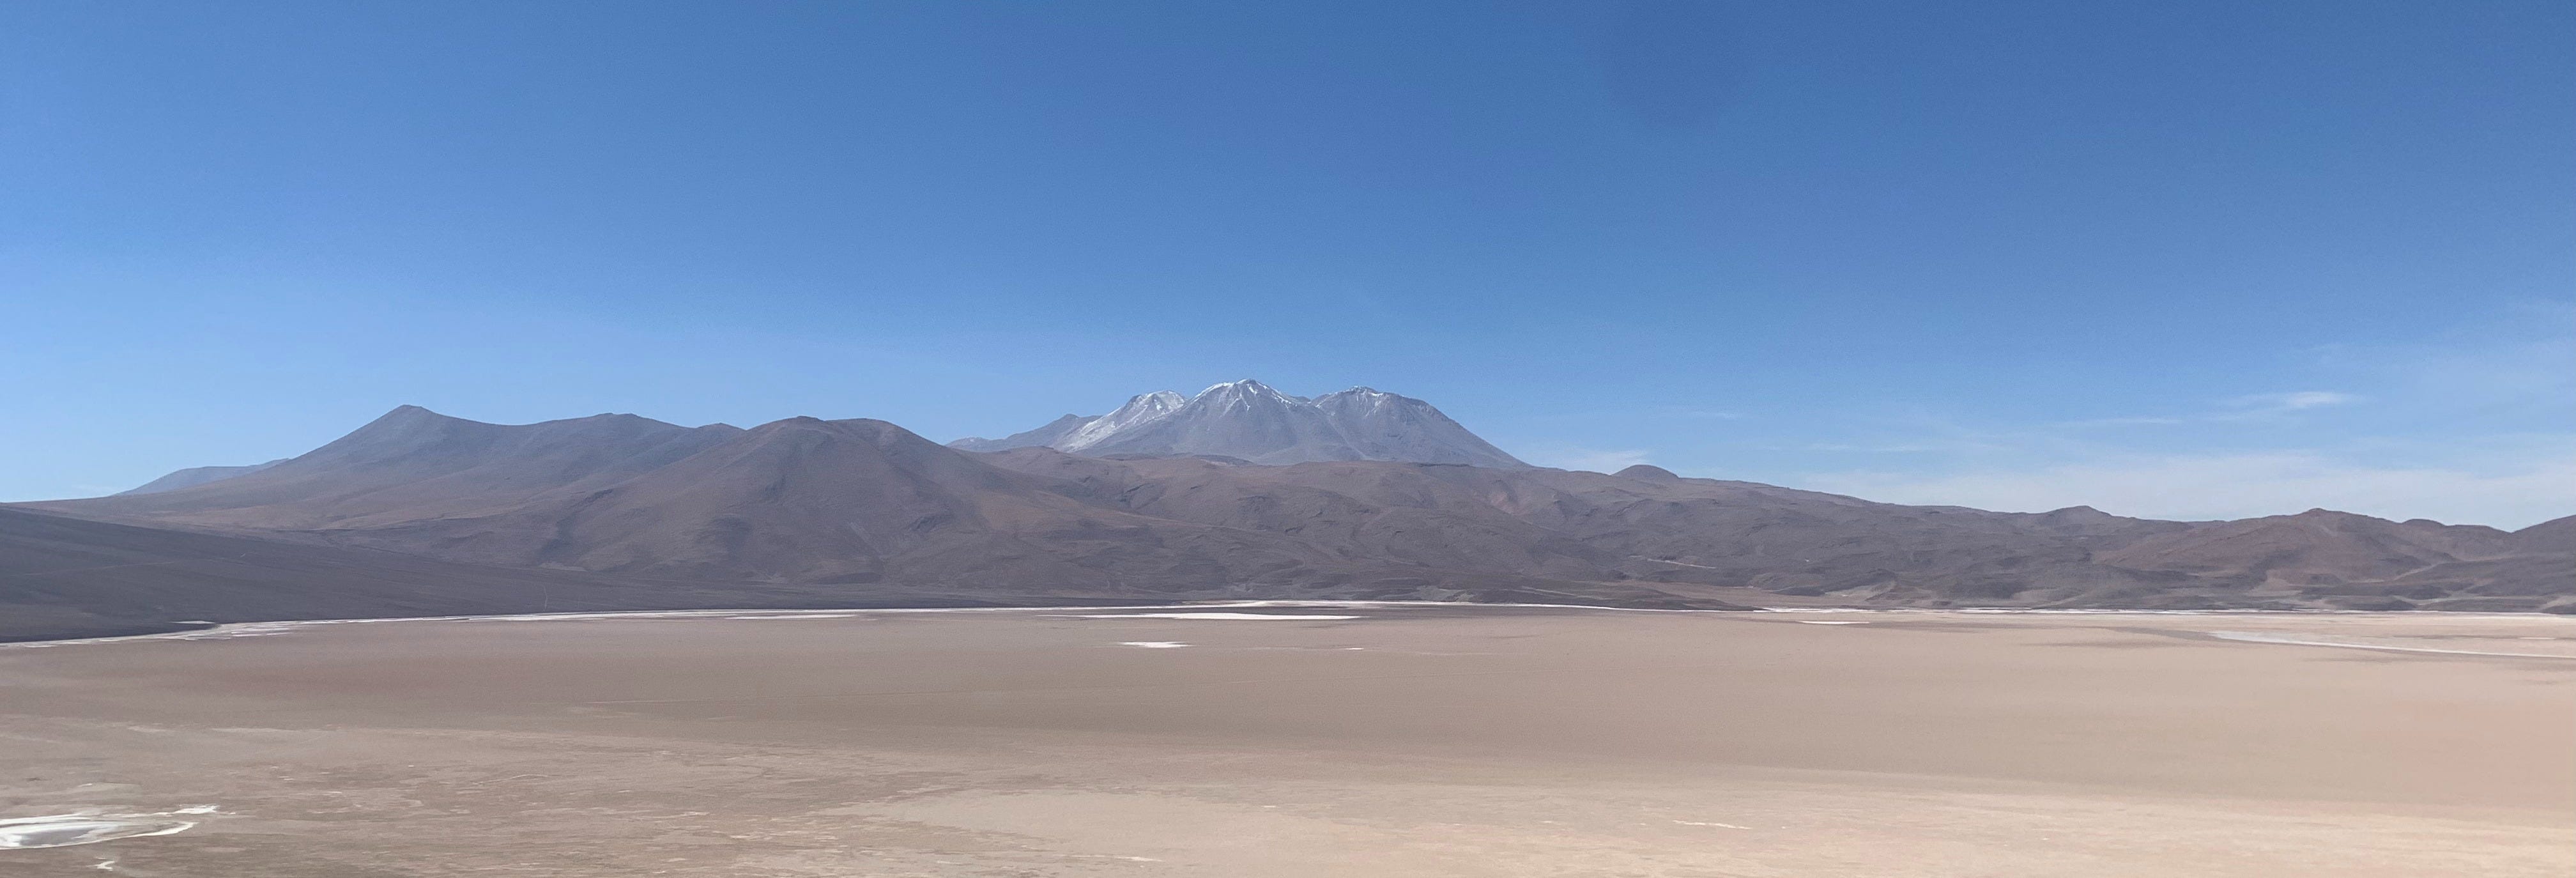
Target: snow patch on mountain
[1253, 421]
[1138, 411]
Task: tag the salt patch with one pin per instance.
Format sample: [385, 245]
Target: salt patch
[1710, 823]
[1248, 617]
[65, 830]
[1825, 622]
[1153, 644]
[2259, 637]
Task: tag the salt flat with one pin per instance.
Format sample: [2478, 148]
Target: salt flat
[1406, 741]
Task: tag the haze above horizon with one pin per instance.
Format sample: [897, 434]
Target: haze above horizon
[2178, 260]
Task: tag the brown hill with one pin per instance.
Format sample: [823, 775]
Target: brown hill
[2316, 547]
[2371, 563]
[2554, 535]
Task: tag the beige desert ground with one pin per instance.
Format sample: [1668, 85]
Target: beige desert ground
[1403, 742]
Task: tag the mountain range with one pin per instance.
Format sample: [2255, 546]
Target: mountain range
[624, 511]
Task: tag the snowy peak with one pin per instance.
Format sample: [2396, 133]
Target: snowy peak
[1387, 426]
[1048, 435]
[1246, 389]
[1139, 411]
[1245, 398]
[1073, 433]
[1360, 399]
[1253, 421]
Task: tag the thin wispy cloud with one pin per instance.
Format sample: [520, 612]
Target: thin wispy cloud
[2295, 401]
[2249, 407]
[2140, 421]
[1661, 413]
[2510, 494]
[1699, 414]
[1600, 460]
[2524, 361]
[2478, 429]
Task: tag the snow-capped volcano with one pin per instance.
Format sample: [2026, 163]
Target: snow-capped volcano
[1254, 421]
[1139, 411]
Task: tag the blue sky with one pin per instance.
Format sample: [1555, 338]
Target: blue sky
[2167, 258]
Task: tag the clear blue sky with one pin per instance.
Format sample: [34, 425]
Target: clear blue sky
[2170, 258]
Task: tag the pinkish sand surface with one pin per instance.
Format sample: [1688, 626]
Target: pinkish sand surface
[1402, 742]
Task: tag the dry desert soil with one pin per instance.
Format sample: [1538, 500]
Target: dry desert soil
[1397, 741]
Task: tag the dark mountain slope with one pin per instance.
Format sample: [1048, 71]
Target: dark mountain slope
[865, 501]
[66, 577]
[1589, 526]
[1408, 527]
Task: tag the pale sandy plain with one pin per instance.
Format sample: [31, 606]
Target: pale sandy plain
[1405, 742]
